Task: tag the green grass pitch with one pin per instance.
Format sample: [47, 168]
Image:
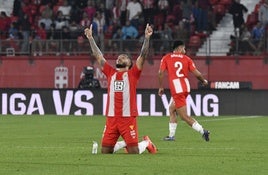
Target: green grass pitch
[50, 145]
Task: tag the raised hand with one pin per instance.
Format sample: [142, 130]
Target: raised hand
[148, 31]
[88, 32]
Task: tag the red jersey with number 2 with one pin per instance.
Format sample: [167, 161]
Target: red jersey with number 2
[178, 67]
[122, 86]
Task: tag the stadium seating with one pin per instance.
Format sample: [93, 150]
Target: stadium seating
[194, 44]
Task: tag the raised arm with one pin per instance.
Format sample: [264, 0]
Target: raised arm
[145, 47]
[95, 50]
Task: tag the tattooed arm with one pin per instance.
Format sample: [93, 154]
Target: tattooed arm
[145, 47]
[95, 50]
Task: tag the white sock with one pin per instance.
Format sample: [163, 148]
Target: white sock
[172, 129]
[119, 145]
[196, 126]
[142, 146]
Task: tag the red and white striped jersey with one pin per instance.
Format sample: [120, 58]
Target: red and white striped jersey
[178, 66]
[122, 86]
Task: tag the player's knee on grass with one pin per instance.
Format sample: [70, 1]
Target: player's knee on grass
[107, 150]
[133, 149]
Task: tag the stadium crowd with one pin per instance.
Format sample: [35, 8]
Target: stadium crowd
[57, 25]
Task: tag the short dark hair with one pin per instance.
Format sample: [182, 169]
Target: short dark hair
[177, 43]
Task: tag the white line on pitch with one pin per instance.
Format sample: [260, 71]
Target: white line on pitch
[197, 148]
[42, 147]
[232, 118]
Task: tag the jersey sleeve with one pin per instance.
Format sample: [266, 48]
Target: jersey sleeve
[191, 65]
[107, 69]
[136, 72]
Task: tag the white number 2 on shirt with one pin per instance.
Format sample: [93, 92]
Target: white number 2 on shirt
[177, 82]
[179, 66]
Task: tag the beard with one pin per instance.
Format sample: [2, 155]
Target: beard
[123, 65]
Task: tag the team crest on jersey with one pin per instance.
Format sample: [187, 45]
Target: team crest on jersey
[132, 131]
[118, 86]
[131, 127]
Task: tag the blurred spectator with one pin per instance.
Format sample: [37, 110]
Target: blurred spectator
[179, 32]
[66, 9]
[39, 39]
[213, 18]
[14, 35]
[186, 6]
[163, 7]
[237, 10]
[46, 11]
[257, 35]
[65, 40]
[17, 8]
[148, 11]
[166, 38]
[74, 27]
[32, 11]
[53, 37]
[98, 27]
[134, 11]
[196, 14]
[117, 37]
[176, 14]
[60, 20]
[129, 33]
[123, 11]
[101, 8]
[90, 9]
[109, 4]
[245, 41]
[75, 31]
[25, 28]
[13, 31]
[25, 9]
[85, 22]
[118, 34]
[5, 22]
[115, 13]
[76, 12]
[201, 18]
[46, 20]
[263, 13]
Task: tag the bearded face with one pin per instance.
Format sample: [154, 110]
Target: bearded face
[122, 61]
[121, 65]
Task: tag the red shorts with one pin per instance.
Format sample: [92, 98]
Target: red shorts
[180, 99]
[126, 127]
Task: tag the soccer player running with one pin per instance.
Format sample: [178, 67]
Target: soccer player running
[121, 111]
[178, 65]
